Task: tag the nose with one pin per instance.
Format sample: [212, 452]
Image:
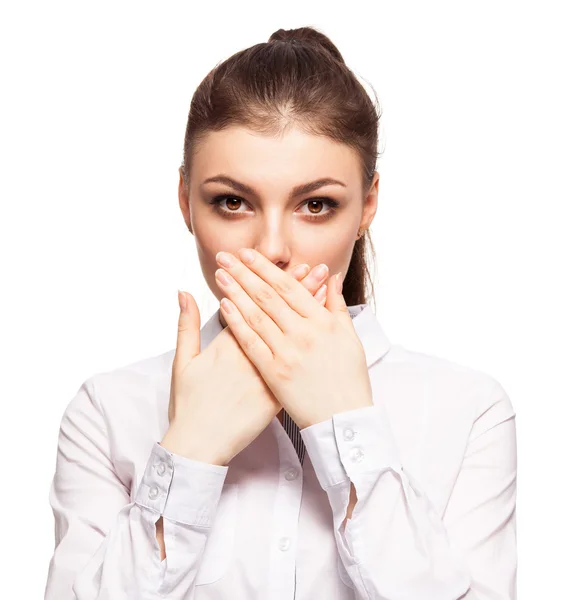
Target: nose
[275, 247]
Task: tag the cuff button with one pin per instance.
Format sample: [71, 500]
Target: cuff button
[349, 434]
[153, 492]
[356, 454]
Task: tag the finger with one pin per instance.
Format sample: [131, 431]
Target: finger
[314, 280]
[271, 288]
[310, 279]
[251, 343]
[321, 294]
[188, 331]
[261, 322]
[335, 300]
[300, 271]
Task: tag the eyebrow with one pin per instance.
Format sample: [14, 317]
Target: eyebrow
[299, 190]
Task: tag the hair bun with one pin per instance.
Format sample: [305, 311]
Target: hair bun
[307, 35]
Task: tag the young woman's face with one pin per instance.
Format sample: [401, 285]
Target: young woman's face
[254, 205]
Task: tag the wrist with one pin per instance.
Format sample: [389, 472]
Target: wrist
[176, 444]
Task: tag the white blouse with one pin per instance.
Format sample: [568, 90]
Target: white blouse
[433, 463]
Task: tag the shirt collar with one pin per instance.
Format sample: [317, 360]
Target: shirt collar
[367, 326]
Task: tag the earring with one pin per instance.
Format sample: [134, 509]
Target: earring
[360, 233]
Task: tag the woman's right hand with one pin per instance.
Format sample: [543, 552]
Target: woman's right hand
[219, 403]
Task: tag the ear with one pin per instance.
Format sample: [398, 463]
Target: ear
[184, 200]
[370, 203]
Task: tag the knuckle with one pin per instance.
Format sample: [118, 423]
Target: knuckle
[284, 370]
[263, 296]
[182, 327]
[305, 340]
[249, 343]
[287, 366]
[284, 287]
[255, 319]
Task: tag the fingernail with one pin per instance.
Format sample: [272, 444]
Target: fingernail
[339, 282]
[321, 271]
[225, 259]
[227, 305]
[182, 301]
[246, 255]
[321, 293]
[302, 270]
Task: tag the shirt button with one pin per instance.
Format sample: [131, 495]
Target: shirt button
[349, 434]
[284, 543]
[356, 454]
[291, 474]
[153, 492]
[161, 469]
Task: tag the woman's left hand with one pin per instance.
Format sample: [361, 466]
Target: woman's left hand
[309, 355]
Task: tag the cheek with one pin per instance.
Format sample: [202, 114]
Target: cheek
[209, 277]
[206, 253]
[334, 250]
[207, 248]
[208, 244]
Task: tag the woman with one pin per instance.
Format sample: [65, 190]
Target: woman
[286, 449]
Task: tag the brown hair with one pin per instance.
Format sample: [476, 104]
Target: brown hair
[296, 79]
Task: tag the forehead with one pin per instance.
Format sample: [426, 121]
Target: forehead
[293, 157]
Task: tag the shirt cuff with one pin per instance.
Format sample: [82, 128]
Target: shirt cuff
[179, 488]
[351, 442]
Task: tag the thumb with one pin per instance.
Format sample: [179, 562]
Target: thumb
[188, 330]
[335, 301]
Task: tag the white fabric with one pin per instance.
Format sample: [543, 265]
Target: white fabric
[433, 463]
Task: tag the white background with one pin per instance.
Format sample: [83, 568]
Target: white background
[472, 232]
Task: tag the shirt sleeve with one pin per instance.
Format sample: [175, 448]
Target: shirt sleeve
[105, 545]
[396, 546]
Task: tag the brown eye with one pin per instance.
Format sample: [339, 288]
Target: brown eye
[227, 206]
[231, 205]
[321, 209]
[233, 201]
[312, 206]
